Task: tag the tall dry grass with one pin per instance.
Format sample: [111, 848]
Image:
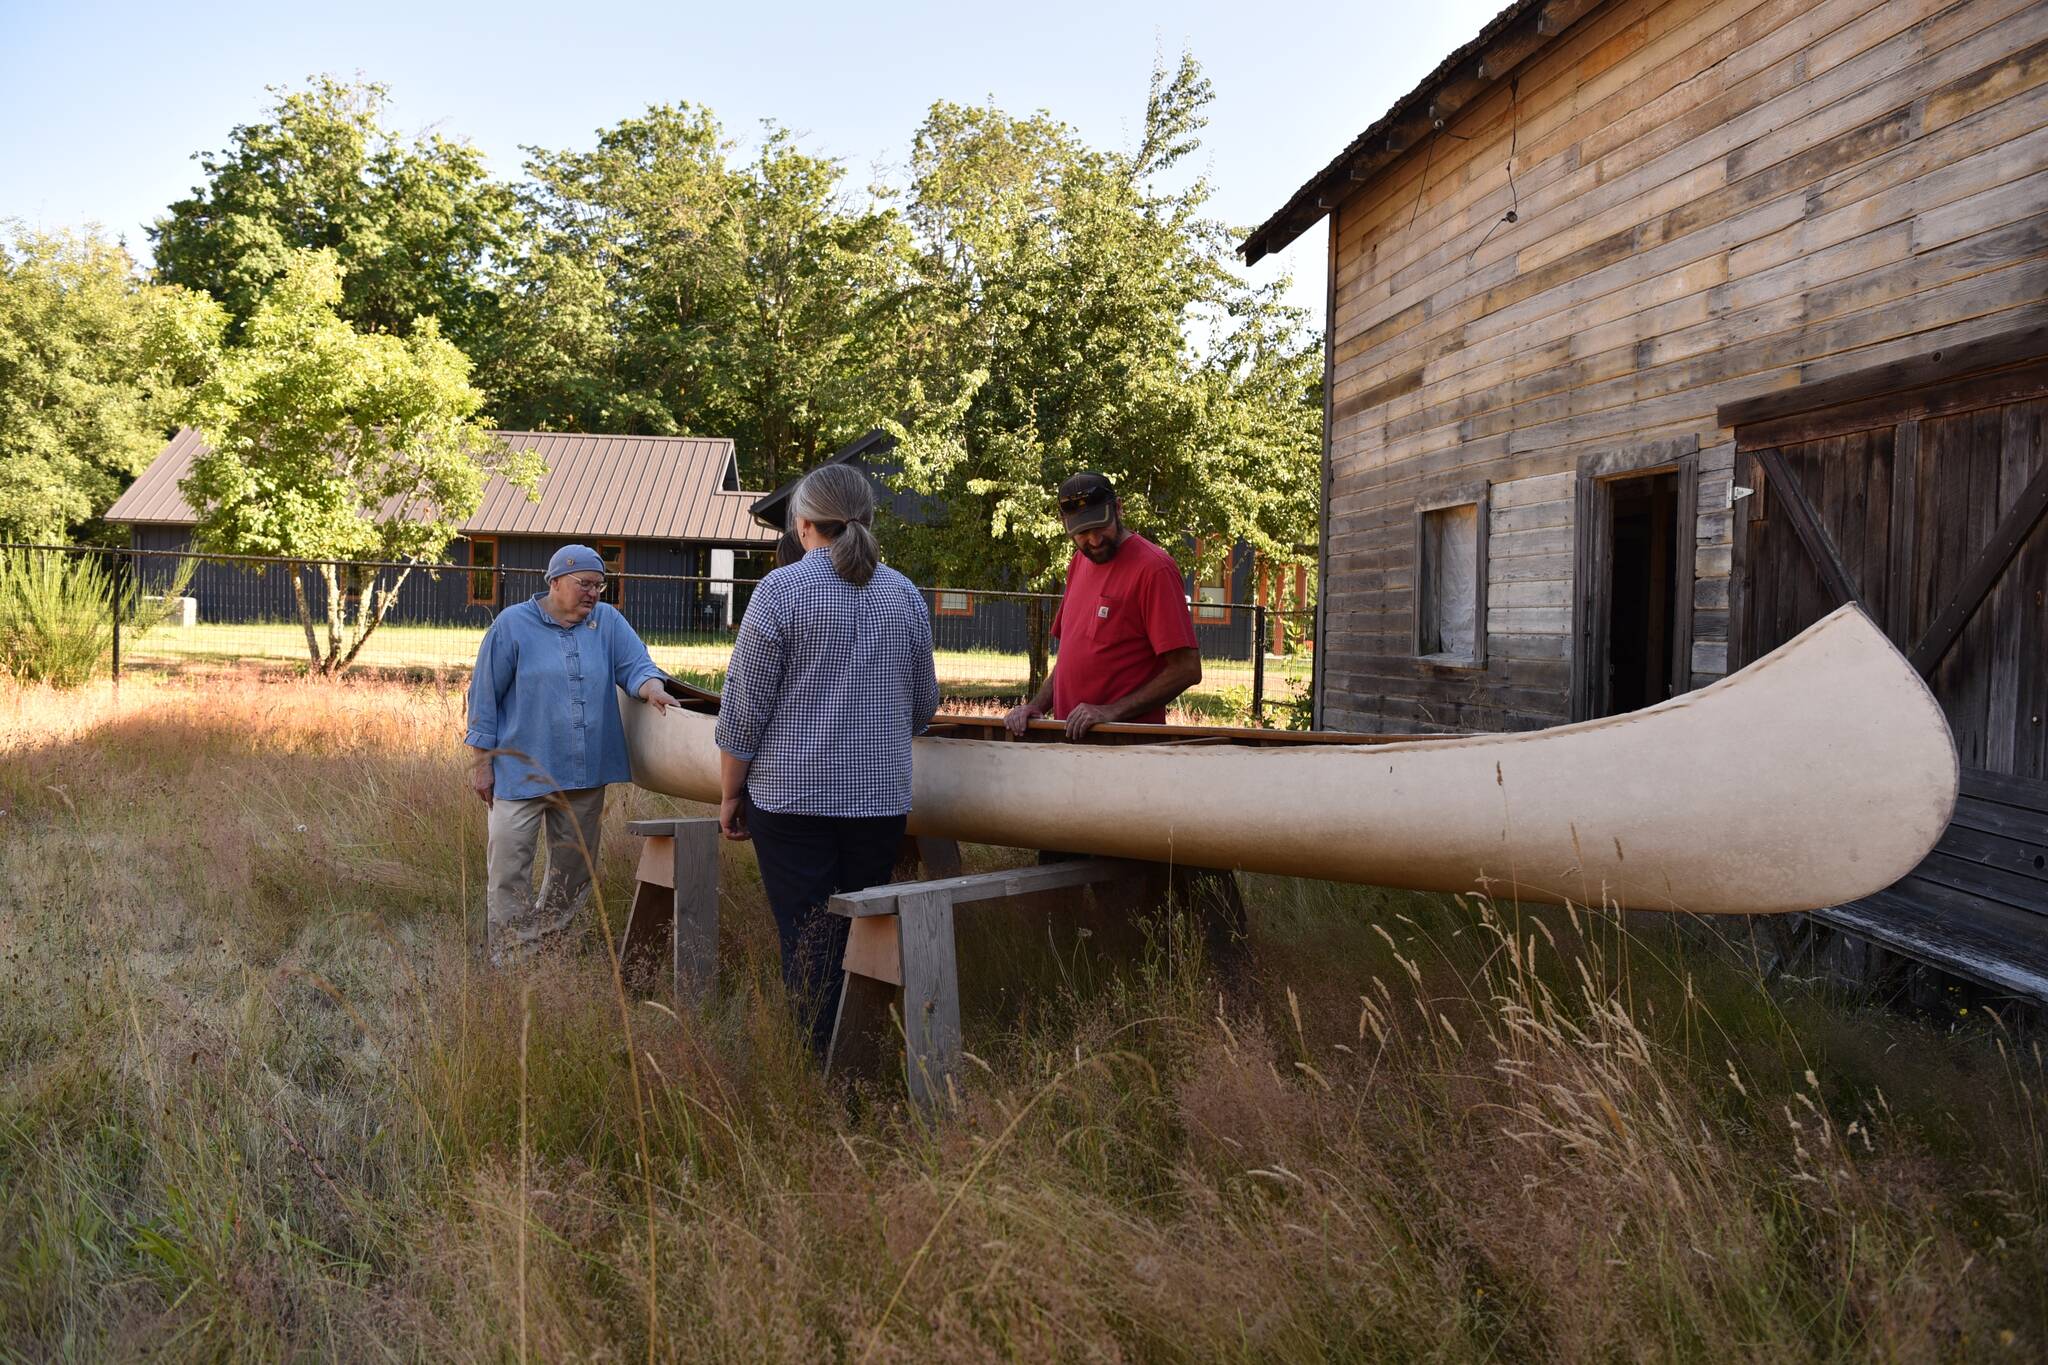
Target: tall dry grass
[258, 1100]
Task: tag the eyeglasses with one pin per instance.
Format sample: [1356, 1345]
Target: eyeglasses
[588, 587]
[1069, 506]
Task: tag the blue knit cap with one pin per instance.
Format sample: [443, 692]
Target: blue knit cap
[574, 559]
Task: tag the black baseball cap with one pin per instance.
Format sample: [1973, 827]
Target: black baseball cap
[1087, 501]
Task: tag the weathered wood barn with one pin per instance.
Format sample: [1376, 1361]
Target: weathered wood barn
[1656, 329]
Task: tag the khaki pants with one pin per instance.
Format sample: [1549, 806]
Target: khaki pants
[519, 921]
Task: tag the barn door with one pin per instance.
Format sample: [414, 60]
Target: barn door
[1935, 526]
[1936, 522]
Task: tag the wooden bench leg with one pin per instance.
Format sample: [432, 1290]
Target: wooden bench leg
[650, 923]
[931, 997]
[696, 911]
[926, 857]
[675, 909]
[861, 1031]
[1217, 902]
[940, 857]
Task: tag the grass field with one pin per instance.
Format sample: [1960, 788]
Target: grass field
[259, 1101]
[427, 649]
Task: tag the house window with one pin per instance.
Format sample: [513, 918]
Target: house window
[1212, 593]
[613, 553]
[483, 575]
[1450, 581]
[952, 602]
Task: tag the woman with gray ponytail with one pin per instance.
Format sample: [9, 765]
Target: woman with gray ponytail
[831, 677]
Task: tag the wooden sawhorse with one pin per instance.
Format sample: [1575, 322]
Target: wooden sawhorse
[675, 908]
[674, 914]
[901, 936]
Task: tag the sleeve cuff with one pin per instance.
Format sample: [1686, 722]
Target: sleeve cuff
[744, 756]
[477, 739]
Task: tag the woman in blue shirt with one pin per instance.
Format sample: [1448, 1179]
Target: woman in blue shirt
[830, 678]
[544, 725]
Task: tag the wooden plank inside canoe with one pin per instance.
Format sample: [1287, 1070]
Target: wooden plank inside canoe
[952, 725]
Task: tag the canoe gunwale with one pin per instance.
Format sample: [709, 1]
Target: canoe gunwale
[952, 724]
[1845, 775]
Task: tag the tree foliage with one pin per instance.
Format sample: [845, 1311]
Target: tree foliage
[1082, 313]
[664, 289]
[412, 224]
[328, 444]
[94, 368]
[1028, 306]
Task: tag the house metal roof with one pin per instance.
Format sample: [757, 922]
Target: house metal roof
[1513, 36]
[624, 487]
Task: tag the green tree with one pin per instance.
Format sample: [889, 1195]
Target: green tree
[95, 366]
[330, 444]
[615, 301]
[1078, 313]
[667, 290]
[413, 224]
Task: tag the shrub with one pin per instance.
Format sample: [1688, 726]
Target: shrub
[57, 613]
[56, 616]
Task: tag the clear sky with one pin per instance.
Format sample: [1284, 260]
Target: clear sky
[102, 105]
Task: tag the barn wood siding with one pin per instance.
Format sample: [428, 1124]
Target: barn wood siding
[1715, 200]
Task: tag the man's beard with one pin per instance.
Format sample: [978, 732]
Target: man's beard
[1103, 553]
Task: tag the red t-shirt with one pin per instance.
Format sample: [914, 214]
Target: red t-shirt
[1114, 622]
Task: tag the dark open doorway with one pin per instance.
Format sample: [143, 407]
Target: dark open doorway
[1635, 617]
[1642, 605]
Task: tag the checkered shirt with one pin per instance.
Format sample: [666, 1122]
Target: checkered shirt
[828, 684]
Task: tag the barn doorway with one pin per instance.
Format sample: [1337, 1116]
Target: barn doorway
[1635, 588]
[1642, 601]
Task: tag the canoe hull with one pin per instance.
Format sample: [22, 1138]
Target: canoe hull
[1818, 775]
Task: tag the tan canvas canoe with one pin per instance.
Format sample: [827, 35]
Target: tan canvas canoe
[1819, 774]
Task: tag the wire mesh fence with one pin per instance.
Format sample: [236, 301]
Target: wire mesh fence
[185, 611]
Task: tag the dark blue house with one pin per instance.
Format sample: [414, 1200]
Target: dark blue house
[666, 506]
[969, 619]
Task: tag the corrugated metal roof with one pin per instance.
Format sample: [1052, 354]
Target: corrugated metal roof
[154, 496]
[623, 487]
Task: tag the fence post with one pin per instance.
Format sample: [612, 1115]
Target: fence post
[114, 605]
[1259, 664]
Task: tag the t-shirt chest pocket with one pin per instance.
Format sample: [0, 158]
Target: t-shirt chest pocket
[1114, 619]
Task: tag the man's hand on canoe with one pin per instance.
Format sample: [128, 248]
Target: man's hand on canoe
[1085, 717]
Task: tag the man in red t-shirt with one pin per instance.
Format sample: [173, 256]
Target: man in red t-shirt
[1127, 639]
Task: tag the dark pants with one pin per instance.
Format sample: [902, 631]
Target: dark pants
[805, 860]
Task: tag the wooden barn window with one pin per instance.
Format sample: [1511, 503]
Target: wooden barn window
[1450, 578]
[613, 553]
[952, 602]
[483, 577]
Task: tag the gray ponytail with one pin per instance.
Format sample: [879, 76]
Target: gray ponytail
[838, 500]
